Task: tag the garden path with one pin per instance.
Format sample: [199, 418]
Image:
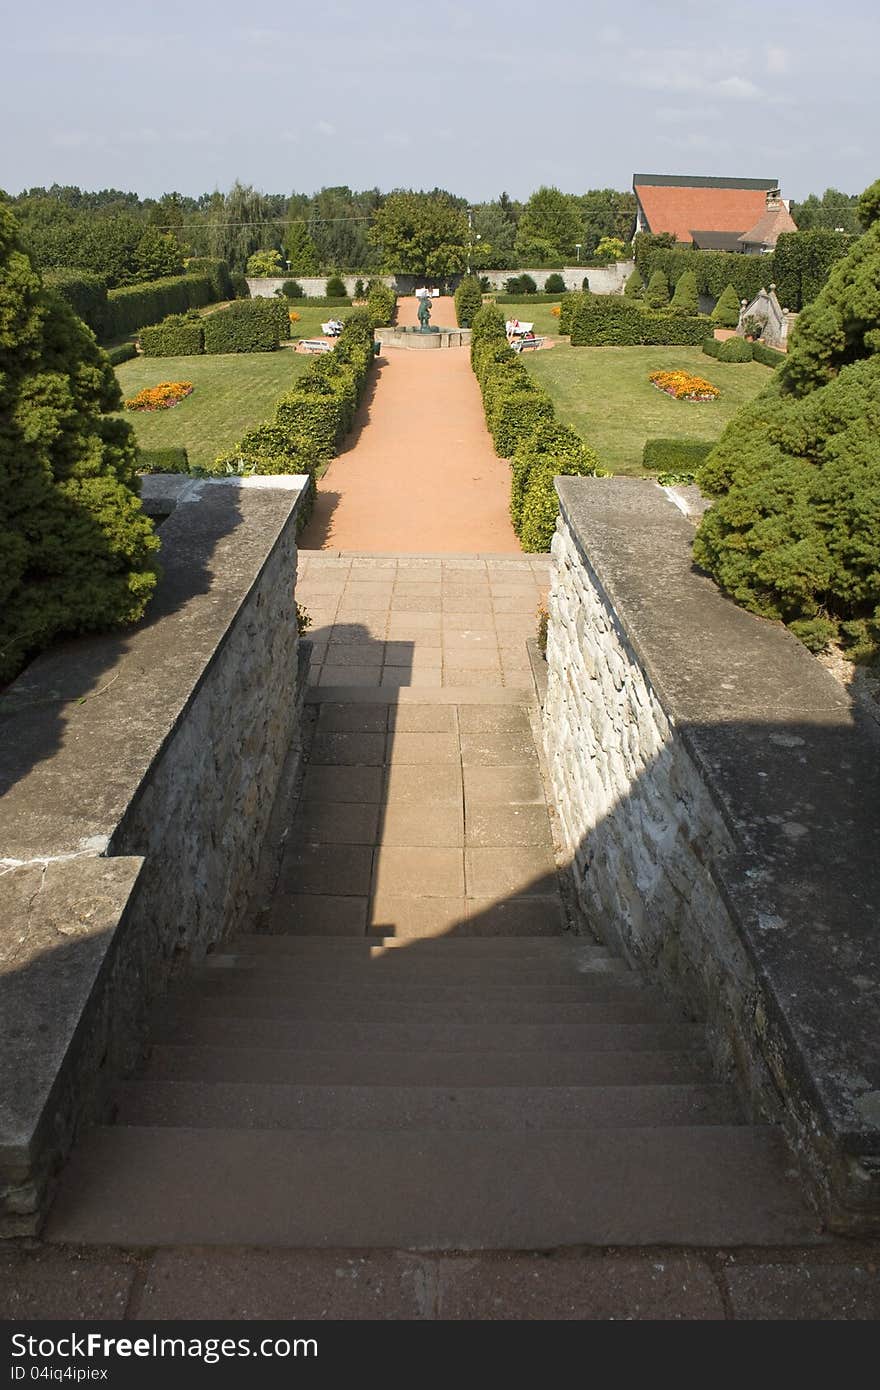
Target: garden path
[419, 473]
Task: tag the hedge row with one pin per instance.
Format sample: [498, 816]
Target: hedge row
[217, 272]
[738, 350]
[320, 301]
[730, 350]
[312, 419]
[132, 306]
[84, 292]
[601, 320]
[247, 325]
[468, 300]
[381, 304]
[799, 267]
[675, 455]
[524, 428]
[168, 460]
[124, 353]
[180, 335]
[528, 298]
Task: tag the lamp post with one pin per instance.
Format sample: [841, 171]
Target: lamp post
[470, 237]
[577, 247]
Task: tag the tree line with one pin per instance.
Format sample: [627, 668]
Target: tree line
[129, 239]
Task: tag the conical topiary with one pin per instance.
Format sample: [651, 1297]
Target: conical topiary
[726, 311]
[657, 293]
[686, 300]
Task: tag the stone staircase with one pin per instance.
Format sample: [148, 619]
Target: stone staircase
[456, 1094]
[454, 1070]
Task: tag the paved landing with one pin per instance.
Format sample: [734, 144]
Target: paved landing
[420, 820]
[430, 621]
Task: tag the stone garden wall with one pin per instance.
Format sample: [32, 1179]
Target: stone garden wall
[140, 771]
[719, 800]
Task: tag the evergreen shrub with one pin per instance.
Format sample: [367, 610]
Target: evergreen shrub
[77, 551]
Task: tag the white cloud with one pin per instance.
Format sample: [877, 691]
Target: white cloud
[778, 60]
[325, 128]
[740, 88]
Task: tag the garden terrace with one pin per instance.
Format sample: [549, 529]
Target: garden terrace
[604, 393]
[231, 393]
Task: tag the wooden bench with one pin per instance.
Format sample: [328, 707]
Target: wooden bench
[315, 345]
[520, 344]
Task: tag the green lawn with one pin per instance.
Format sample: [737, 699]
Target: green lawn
[231, 393]
[604, 393]
[538, 314]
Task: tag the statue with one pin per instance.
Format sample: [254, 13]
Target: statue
[425, 314]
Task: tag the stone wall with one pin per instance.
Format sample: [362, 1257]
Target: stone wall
[718, 797]
[608, 279]
[142, 770]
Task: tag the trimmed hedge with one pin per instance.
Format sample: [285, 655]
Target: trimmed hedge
[247, 325]
[613, 320]
[320, 301]
[169, 460]
[335, 288]
[730, 350]
[675, 455]
[567, 306]
[381, 304]
[685, 299]
[522, 422]
[803, 261]
[217, 272]
[532, 298]
[124, 353]
[468, 300]
[726, 311]
[311, 419]
[520, 285]
[554, 284]
[799, 267]
[768, 356]
[133, 306]
[240, 287]
[84, 292]
[177, 336]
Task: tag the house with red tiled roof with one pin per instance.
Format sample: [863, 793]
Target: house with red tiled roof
[775, 220]
[712, 214]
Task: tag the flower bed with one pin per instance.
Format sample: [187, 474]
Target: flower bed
[161, 397]
[684, 386]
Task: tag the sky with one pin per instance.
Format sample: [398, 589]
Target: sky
[503, 94]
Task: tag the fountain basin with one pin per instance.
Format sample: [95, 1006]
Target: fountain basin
[400, 336]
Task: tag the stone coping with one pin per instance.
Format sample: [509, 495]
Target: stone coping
[794, 770]
[80, 726]
[81, 731]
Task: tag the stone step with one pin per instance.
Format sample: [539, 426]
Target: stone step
[452, 947]
[331, 1010]
[226, 1028]
[249, 1063]
[454, 1190]
[432, 970]
[231, 1105]
[264, 984]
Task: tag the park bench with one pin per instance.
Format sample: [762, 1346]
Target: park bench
[315, 345]
[520, 344]
[332, 328]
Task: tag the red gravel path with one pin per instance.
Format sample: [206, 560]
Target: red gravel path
[420, 474]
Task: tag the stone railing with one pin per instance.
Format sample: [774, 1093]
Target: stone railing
[720, 801]
[139, 772]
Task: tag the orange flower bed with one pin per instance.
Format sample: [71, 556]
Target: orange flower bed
[161, 397]
[683, 386]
